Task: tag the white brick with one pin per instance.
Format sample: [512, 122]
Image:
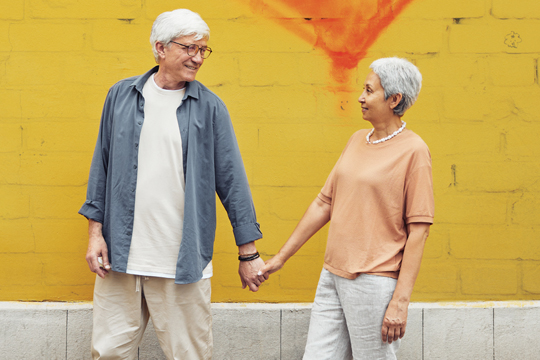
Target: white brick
[79, 334]
[33, 334]
[246, 333]
[294, 330]
[464, 334]
[411, 344]
[516, 333]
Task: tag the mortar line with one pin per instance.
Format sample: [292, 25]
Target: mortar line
[493, 314]
[422, 334]
[67, 325]
[280, 334]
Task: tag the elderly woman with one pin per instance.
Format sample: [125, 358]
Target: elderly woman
[379, 197]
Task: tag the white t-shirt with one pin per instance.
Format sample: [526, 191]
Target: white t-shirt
[159, 197]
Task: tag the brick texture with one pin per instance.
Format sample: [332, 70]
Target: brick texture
[478, 112]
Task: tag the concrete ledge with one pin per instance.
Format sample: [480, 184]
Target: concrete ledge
[476, 331]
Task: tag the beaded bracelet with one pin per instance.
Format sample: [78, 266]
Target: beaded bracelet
[250, 257]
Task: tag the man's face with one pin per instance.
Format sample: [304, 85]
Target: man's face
[177, 64]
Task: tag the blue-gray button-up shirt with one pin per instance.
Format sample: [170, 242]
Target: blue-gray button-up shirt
[212, 163]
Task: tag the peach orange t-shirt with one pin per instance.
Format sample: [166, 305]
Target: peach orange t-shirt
[374, 191]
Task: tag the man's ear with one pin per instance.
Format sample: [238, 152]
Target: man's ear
[395, 100]
[160, 48]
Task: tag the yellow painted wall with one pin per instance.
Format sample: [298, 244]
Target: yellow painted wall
[479, 111]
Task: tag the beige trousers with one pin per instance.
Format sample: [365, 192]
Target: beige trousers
[181, 316]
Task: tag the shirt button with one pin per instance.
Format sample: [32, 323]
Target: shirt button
[134, 166]
[132, 189]
[136, 145]
[140, 123]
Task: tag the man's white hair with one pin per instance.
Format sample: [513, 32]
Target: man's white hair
[177, 23]
[398, 76]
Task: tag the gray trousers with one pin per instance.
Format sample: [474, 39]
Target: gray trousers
[347, 316]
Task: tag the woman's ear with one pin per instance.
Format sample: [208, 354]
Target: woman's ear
[395, 100]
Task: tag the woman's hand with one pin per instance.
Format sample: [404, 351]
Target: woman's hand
[271, 266]
[395, 321]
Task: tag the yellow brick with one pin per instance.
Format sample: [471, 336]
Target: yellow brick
[493, 242]
[61, 136]
[523, 107]
[451, 70]
[301, 272]
[70, 292]
[526, 210]
[66, 269]
[531, 277]
[269, 69]
[293, 170]
[12, 10]
[291, 138]
[462, 103]
[435, 9]
[497, 176]
[55, 168]
[437, 243]
[61, 236]
[22, 292]
[512, 70]
[21, 69]
[207, 9]
[411, 36]
[519, 140]
[24, 269]
[459, 139]
[436, 277]
[5, 45]
[336, 136]
[59, 37]
[52, 103]
[85, 9]
[426, 110]
[273, 104]
[481, 209]
[17, 236]
[56, 202]
[11, 100]
[494, 278]
[10, 137]
[255, 35]
[10, 168]
[15, 202]
[221, 68]
[117, 35]
[248, 139]
[521, 9]
[495, 37]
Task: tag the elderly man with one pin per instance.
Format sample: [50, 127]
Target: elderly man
[166, 145]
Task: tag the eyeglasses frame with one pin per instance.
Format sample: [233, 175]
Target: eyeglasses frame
[199, 49]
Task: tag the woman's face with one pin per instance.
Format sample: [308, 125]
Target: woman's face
[374, 106]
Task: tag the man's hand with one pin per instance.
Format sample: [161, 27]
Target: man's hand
[248, 271]
[395, 321]
[97, 248]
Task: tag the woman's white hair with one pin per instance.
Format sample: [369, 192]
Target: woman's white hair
[177, 23]
[398, 76]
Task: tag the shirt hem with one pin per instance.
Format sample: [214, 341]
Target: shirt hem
[352, 276]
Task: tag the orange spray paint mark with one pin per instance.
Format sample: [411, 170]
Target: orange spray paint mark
[343, 29]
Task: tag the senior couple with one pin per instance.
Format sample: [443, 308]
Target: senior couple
[166, 145]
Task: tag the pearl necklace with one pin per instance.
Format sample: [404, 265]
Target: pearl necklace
[388, 137]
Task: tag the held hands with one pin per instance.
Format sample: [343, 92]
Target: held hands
[395, 321]
[249, 274]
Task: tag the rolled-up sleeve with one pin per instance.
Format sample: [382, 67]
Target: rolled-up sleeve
[94, 206]
[231, 181]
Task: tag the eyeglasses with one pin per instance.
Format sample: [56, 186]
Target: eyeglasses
[193, 49]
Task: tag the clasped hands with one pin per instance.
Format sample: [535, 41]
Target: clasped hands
[254, 273]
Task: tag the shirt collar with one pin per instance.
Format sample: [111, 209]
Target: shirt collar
[192, 88]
